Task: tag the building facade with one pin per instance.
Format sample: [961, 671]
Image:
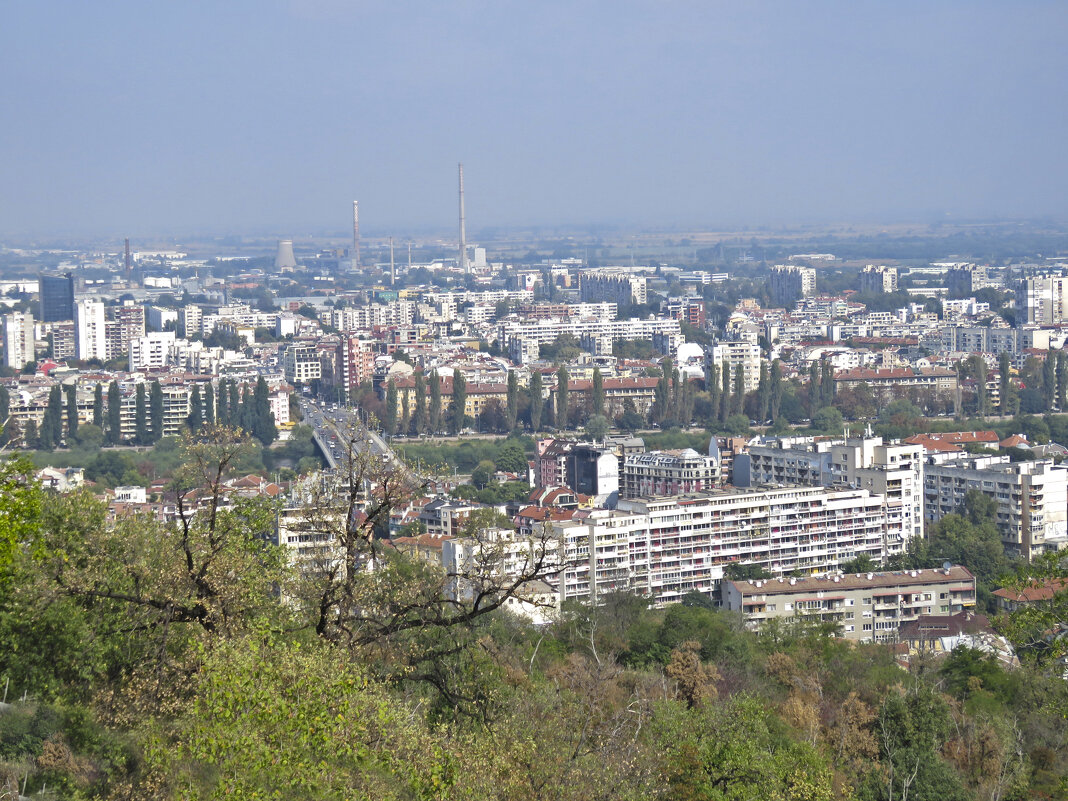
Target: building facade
[18, 340]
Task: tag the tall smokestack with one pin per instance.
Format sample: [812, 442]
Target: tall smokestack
[355, 233]
[463, 228]
[392, 267]
[128, 264]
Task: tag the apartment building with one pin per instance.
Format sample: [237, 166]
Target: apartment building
[1032, 497]
[546, 331]
[664, 548]
[620, 288]
[1042, 300]
[301, 364]
[127, 323]
[878, 279]
[673, 472]
[90, 336]
[979, 339]
[965, 279]
[867, 607]
[892, 471]
[151, 352]
[790, 283]
[18, 340]
[730, 355]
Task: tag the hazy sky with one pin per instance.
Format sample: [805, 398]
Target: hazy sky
[155, 117]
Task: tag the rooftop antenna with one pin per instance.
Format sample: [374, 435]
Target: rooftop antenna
[355, 233]
[463, 227]
[392, 267]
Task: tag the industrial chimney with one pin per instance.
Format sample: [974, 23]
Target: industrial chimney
[463, 228]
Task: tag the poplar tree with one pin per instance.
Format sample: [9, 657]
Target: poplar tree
[1004, 382]
[763, 393]
[512, 411]
[72, 411]
[209, 404]
[141, 416]
[390, 423]
[725, 392]
[235, 405]
[98, 406]
[5, 404]
[815, 388]
[196, 415]
[537, 402]
[114, 432]
[1062, 380]
[51, 432]
[223, 414]
[419, 413]
[739, 389]
[561, 397]
[155, 402]
[435, 403]
[775, 379]
[714, 391]
[458, 407]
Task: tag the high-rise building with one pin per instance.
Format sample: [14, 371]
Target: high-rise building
[57, 297]
[789, 283]
[18, 340]
[878, 279]
[61, 335]
[90, 334]
[126, 325]
[620, 288]
[1042, 300]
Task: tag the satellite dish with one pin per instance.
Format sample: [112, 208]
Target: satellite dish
[947, 565]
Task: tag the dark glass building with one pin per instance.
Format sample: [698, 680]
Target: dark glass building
[57, 297]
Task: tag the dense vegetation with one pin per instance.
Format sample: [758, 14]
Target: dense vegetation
[161, 661]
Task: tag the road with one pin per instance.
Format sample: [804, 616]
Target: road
[333, 429]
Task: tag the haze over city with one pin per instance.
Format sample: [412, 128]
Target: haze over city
[132, 119]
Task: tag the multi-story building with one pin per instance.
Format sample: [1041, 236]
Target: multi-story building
[789, 283]
[892, 382]
[866, 606]
[878, 279]
[641, 392]
[965, 279]
[150, 352]
[677, 472]
[61, 335]
[664, 548]
[161, 318]
[301, 364]
[601, 330]
[190, 318]
[18, 340]
[1042, 300]
[892, 471]
[57, 297]
[729, 355]
[1032, 497]
[90, 335]
[687, 310]
[979, 339]
[620, 288]
[127, 323]
[355, 362]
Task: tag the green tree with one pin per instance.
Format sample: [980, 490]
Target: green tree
[419, 413]
[763, 393]
[714, 390]
[828, 420]
[511, 459]
[72, 411]
[512, 407]
[1008, 400]
[114, 428]
[1049, 379]
[234, 406]
[827, 383]
[263, 427]
[223, 413]
[776, 389]
[389, 423]
[434, 417]
[537, 400]
[141, 417]
[458, 405]
[562, 380]
[98, 406]
[481, 475]
[738, 407]
[1062, 380]
[155, 403]
[597, 392]
[5, 404]
[726, 407]
[209, 404]
[51, 433]
[597, 427]
[30, 437]
[195, 418]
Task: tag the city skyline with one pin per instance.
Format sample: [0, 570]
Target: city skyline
[693, 115]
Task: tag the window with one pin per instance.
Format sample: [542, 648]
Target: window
[944, 607]
[850, 602]
[867, 601]
[867, 627]
[788, 607]
[770, 607]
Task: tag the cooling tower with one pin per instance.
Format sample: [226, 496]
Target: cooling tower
[285, 259]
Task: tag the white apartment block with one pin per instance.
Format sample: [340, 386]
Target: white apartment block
[664, 548]
[868, 607]
[191, 318]
[159, 317]
[301, 364]
[18, 340]
[893, 472]
[546, 331]
[90, 335]
[728, 355]
[876, 279]
[659, 473]
[620, 288]
[1042, 300]
[150, 352]
[1032, 497]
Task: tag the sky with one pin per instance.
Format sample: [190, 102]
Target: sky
[139, 118]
